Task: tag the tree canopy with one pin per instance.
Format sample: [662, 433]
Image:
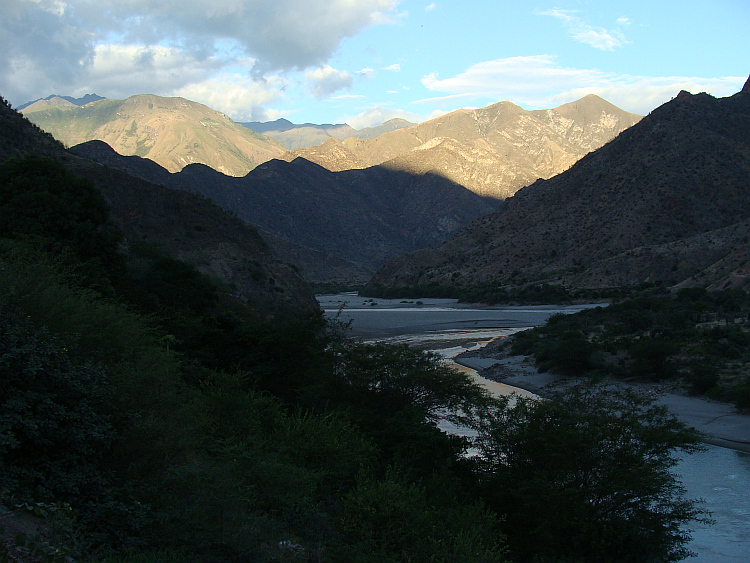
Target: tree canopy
[586, 476]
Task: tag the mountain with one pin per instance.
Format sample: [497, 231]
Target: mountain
[667, 201]
[308, 135]
[173, 132]
[186, 225]
[55, 100]
[360, 217]
[493, 151]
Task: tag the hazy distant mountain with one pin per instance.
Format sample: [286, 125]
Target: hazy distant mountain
[362, 217]
[308, 135]
[173, 132]
[187, 225]
[56, 100]
[493, 151]
[667, 201]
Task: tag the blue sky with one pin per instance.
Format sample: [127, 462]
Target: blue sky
[366, 61]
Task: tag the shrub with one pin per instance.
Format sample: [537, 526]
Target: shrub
[586, 476]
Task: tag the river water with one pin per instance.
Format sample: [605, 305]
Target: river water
[719, 476]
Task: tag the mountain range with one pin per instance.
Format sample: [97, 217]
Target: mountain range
[185, 225]
[56, 100]
[352, 221]
[171, 131]
[667, 202]
[660, 199]
[492, 151]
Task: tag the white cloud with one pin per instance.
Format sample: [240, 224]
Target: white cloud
[56, 7]
[539, 82]
[597, 37]
[123, 70]
[324, 81]
[50, 45]
[280, 34]
[40, 48]
[237, 95]
[394, 67]
[430, 7]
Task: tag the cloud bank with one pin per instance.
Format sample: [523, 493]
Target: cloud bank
[539, 82]
[122, 47]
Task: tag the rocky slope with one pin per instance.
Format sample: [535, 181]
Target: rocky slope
[667, 201]
[187, 225]
[173, 132]
[362, 217]
[493, 151]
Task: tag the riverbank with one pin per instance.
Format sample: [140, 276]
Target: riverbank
[720, 423]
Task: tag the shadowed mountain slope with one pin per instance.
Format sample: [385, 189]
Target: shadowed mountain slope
[359, 216]
[186, 225]
[667, 201]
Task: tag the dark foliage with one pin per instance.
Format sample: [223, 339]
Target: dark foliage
[42, 202]
[699, 336]
[54, 425]
[586, 477]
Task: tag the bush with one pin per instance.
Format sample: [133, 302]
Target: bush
[586, 476]
[391, 521]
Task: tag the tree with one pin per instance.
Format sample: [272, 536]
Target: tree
[586, 476]
[398, 377]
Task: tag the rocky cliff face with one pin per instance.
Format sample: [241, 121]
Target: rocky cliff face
[493, 151]
[668, 200]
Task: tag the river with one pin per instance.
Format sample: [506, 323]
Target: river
[719, 476]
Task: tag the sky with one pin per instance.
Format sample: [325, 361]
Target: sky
[363, 62]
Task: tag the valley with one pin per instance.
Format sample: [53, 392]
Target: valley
[339, 209]
[209, 337]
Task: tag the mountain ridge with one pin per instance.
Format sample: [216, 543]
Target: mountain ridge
[662, 202]
[493, 151]
[360, 217]
[295, 136]
[51, 100]
[187, 226]
[173, 132]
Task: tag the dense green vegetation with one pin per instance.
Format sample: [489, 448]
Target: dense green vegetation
[604, 490]
[696, 336]
[145, 416]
